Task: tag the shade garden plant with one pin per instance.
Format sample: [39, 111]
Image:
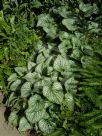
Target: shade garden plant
[58, 91]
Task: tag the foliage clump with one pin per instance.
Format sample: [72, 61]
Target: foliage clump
[58, 92]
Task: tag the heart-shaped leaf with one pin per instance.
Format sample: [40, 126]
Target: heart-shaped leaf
[46, 126]
[54, 93]
[24, 125]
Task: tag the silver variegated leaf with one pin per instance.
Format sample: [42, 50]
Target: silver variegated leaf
[13, 119]
[15, 85]
[12, 78]
[71, 85]
[69, 101]
[21, 70]
[48, 24]
[36, 102]
[32, 77]
[26, 89]
[61, 64]
[36, 110]
[65, 35]
[35, 116]
[46, 126]
[31, 65]
[70, 24]
[64, 46]
[54, 93]
[40, 58]
[24, 125]
[88, 9]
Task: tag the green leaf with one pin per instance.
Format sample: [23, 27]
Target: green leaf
[48, 24]
[36, 102]
[65, 36]
[6, 53]
[54, 76]
[26, 89]
[46, 81]
[36, 4]
[46, 126]
[13, 77]
[38, 87]
[64, 46]
[35, 116]
[1, 54]
[24, 125]
[39, 68]
[36, 111]
[49, 70]
[31, 65]
[3, 24]
[76, 42]
[88, 9]
[63, 11]
[54, 93]
[93, 27]
[76, 54]
[70, 24]
[62, 64]
[15, 85]
[32, 77]
[69, 101]
[13, 119]
[12, 19]
[71, 85]
[20, 70]
[87, 50]
[46, 53]
[11, 100]
[59, 132]
[40, 58]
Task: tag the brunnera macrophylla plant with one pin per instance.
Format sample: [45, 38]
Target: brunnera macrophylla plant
[43, 95]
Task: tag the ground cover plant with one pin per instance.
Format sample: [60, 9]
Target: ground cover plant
[58, 91]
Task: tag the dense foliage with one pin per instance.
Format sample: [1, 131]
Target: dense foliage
[17, 40]
[58, 92]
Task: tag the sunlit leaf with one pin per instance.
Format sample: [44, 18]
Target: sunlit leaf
[13, 119]
[24, 125]
[26, 89]
[54, 93]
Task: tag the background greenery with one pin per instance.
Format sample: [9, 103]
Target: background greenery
[53, 50]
